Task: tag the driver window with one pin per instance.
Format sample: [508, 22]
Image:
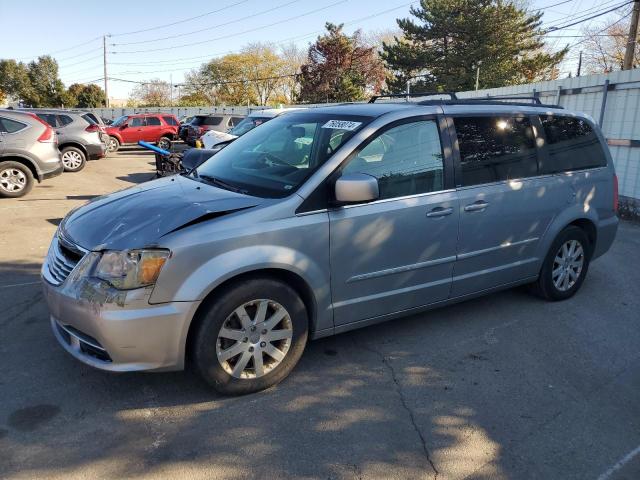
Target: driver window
[406, 160]
[136, 122]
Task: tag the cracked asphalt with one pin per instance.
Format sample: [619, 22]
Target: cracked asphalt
[504, 386]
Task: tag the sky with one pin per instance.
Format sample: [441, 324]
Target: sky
[72, 31]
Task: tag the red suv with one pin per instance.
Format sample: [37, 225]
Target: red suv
[158, 128]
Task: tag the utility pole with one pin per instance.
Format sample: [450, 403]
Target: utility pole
[633, 35]
[579, 64]
[171, 89]
[478, 73]
[106, 83]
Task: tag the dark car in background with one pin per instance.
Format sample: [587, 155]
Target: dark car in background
[79, 137]
[201, 124]
[28, 152]
[158, 128]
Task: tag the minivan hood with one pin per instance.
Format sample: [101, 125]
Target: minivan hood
[139, 216]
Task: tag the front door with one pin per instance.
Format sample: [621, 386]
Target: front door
[134, 130]
[505, 208]
[398, 252]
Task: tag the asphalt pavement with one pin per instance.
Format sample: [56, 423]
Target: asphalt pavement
[505, 386]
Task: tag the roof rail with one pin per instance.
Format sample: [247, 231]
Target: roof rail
[490, 101]
[452, 95]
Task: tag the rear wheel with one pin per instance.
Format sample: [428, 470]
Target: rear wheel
[16, 180]
[565, 266]
[73, 159]
[113, 144]
[250, 337]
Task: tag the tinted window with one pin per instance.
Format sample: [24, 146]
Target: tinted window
[89, 117]
[572, 145]
[211, 121]
[153, 121]
[65, 120]
[235, 120]
[170, 121]
[50, 118]
[10, 126]
[406, 160]
[136, 122]
[495, 148]
[197, 120]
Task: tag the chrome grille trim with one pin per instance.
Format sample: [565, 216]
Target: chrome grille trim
[60, 265]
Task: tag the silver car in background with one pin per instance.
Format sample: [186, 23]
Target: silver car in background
[326, 220]
[79, 137]
[28, 152]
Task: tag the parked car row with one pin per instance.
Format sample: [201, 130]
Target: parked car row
[159, 128]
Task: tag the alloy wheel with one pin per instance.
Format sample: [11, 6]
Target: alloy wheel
[72, 159]
[567, 265]
[12, 180]
[164, 144]
[112, 145]
[254, 339]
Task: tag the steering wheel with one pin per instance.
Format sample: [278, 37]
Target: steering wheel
[275, 160]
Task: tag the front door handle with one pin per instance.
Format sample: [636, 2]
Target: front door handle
[476, 206]
[440, 212]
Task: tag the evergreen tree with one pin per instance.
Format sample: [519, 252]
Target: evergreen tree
[442, 47]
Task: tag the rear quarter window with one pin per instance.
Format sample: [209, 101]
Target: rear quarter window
[64, 120]
[572, 144]
[11, 126]
[50, 118]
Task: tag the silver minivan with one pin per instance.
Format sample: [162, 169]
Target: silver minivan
[326, 220]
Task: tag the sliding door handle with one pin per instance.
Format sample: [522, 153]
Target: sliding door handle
[476, 206]
[440, 212]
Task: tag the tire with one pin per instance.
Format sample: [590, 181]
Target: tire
[551, 284]
[164, 143]
[73, 159]
[214, 347]
[16, 180]
[113, 144]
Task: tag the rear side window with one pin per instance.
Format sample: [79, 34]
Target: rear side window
[10, 126]
[65, 120]
[153, 121]
[212, 121]
[406, 160]
[50, 118]
[136, 122]
[571, 145]
[495, 149]
[170, 120]
[90, 118]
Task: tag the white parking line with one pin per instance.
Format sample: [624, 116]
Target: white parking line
[620, 463]
[19, 284]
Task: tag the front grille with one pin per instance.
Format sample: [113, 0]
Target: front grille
[62, 260]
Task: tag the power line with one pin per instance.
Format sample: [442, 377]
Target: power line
[224, 24]
[553, 29]
[179, 21]
[237, 33]
[581, 14]
[62, 50]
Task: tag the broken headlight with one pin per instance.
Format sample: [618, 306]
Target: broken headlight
[130, 269]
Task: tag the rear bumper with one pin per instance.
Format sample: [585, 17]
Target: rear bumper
[59, 168]
[606, 234]
[95, 151]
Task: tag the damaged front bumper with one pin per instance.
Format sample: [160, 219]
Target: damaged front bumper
[112, 329]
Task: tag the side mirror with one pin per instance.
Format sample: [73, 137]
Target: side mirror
[356, 188]
[123, 126]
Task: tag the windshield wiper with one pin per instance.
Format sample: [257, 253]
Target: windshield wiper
[220, 183]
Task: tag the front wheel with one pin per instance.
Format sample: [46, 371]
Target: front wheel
[113, 144]
[565, 266]
[164, 143]
[73, 159]
[250, 337]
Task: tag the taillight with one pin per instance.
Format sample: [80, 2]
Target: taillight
[92, 128]
[48, 136]
[203, 130]
[615, 193]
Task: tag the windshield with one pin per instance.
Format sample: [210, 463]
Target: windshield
[275, 159]
[247, 124]
[119, 121]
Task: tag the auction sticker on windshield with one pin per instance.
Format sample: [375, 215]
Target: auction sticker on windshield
[342, 124]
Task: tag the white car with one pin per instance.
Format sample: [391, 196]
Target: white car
[212, 138]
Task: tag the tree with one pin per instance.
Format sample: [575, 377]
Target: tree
[45, 87]
[604, 46]
[293, 58]
[155, 93]
[340, 68]
[91, 96]
[14, 80]
[445, 43]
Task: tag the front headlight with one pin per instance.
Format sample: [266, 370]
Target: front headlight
[130, 269]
